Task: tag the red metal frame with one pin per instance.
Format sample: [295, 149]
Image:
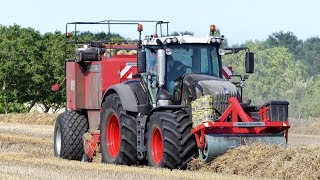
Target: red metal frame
[85, 87]
[263, 113]
[241, 123]
[90, 144]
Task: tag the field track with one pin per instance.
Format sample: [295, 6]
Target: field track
[26, 153]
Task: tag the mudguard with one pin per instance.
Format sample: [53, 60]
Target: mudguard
[162, 108]
[127, 97]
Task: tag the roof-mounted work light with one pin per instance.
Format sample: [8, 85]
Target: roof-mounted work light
[68, 35]
[212, 29]
[140, 27]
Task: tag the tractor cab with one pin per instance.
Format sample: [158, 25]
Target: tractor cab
[170, 59]
[174, 67]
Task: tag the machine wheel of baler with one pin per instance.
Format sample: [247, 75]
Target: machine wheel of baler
[69, 129]
[206, 154]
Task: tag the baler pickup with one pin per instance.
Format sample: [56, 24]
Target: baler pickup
[235, 127]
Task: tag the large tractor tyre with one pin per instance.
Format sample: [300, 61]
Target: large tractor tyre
[118, 133]
[69, 129]
[169, 140]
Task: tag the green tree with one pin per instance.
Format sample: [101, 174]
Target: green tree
[101, 36]
[52, 64]
[310, 55]
[20, 50]
[287, 40]
[277, 76]
[309, 106]
[30, 63]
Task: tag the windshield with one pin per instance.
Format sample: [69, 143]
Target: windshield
[191, 58]
[184, 59]
[198, 58]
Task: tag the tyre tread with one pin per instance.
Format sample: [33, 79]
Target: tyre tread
[179, 145]
[73, 126]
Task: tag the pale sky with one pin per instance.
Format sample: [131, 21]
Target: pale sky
[238, 20]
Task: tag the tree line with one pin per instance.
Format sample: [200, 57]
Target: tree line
[286, 68]
[31, 62]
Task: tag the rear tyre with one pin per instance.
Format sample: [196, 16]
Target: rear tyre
[69, 129]
[169, 140]
[118, 133]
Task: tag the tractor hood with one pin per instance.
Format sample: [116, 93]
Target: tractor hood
[220, 89]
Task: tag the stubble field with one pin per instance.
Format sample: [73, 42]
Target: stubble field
[26, 152]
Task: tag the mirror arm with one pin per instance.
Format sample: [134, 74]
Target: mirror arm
[236, 50]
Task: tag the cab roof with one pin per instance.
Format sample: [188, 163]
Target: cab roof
[183, 39]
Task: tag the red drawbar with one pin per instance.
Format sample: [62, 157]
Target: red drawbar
[156, 146]
[235, 110]
[113, 135]
[241, 123]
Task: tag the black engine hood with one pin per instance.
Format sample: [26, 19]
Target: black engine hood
[196, 85]
[190, 84]
[195, 78]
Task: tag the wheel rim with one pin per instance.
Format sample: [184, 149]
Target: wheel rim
[113, 135]
[156, 146]
[58, 140]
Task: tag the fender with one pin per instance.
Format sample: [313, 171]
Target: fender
[127, 97]
[169, 107]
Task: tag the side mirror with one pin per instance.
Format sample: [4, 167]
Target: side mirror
[249, 62]
[141, 61]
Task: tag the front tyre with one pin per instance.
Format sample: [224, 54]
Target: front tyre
[69, 129]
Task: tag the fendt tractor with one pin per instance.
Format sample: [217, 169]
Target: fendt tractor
[162, 100]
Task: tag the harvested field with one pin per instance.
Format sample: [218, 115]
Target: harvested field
[26, 151]
[30, 166]
[24, 129]
[29, 118]
[305, 126]
[297, 140]
[20, 143]
[267, 161]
